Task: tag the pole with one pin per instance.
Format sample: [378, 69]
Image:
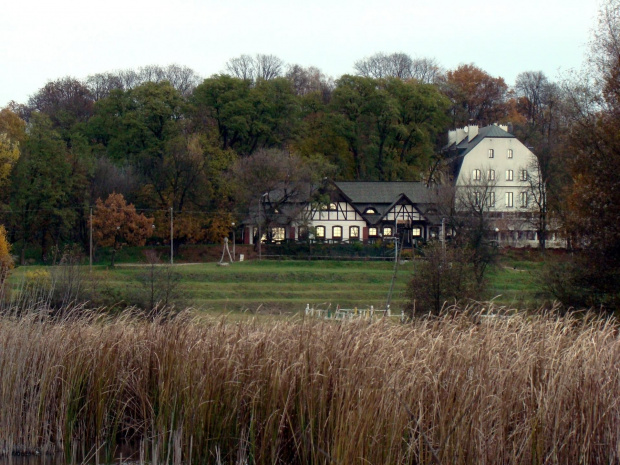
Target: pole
[443, 236]
[171, 237]
[234, 241]
[260, 236]
[91, 241]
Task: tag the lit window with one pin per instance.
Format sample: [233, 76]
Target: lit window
[372, 232]
[416, 232]
[491, 153]
[354, 232]
[491, 175]
[509, 202]
[476, 174]
[332, 206]
[277, 234]
[491, 199]
[320, 232]
[523, 199]
[387, 231]
[509, 153]
[337, 232]
[523, 175]
[370, 211]
[509, 175]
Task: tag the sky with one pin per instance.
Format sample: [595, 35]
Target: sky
[43, 40]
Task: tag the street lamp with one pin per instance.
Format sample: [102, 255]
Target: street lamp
[260, 235]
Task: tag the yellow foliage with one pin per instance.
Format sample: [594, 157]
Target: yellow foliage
[6, 261]
[9, 153]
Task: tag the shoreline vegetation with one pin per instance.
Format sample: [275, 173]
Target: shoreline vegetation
[459, 388]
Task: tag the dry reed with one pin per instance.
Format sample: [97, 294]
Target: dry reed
[517, 390]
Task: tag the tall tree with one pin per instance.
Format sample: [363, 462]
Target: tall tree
[477, 97]
[41, 187]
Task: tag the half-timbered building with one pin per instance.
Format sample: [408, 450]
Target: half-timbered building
[353, 211]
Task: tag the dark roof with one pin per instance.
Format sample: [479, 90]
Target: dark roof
[493, 131]
[375, 193]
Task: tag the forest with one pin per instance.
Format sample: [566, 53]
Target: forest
[164, 141]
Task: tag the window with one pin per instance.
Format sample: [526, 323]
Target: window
[491, 175]
[491, 199]
[491, 153]
[509, 153]
[303, 233]
[320, 232]
[332, 207]
[277, 234]
[476, 175]
[416, 232]
[370, 211]
[509, 202]
[387, 231]
[337, 232]
[372, 232]
[476, 199]
[523, 199]
[523, 175]
[354, 232]
[509, 175]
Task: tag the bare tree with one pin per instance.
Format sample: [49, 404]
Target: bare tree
[268, 66]
[309, 80]
[398, 65]
[426, 70]
[241, 67]
[250, 68]
[101, 84]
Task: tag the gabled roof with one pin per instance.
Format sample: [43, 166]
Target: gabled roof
[380, 192]
[494, 132]
[381, 196]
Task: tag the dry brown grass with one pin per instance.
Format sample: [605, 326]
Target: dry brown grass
[454, 389]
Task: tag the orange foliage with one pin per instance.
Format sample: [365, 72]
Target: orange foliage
[116, 223]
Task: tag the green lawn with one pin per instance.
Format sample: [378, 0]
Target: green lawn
[288, 286]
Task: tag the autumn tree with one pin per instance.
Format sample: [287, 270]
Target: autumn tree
[255, 68]
[594, 197]
[477, 97]
[116, 223]
[12, 134]
[6, 260]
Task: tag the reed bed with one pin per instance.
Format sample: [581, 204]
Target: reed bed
[454, 389]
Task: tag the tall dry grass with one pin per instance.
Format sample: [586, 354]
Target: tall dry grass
[447, 390]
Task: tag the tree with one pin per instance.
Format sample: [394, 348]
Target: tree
[594, 198]
[6, 260]
[259, 67]
[42, 184]
[287, 179]
[116, 223]
[444, 277]
[476, 96]
[399, 65]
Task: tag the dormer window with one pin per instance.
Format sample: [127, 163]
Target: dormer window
[370, 211]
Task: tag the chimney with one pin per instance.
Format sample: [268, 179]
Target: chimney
[451, 137]
[460, 135]
[472, 131]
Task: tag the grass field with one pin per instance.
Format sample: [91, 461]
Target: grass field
[288, 286]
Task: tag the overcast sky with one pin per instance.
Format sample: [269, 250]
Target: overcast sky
[43, 40]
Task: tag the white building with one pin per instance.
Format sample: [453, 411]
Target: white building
[491, 168]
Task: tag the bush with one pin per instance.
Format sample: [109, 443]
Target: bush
[446, 275]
